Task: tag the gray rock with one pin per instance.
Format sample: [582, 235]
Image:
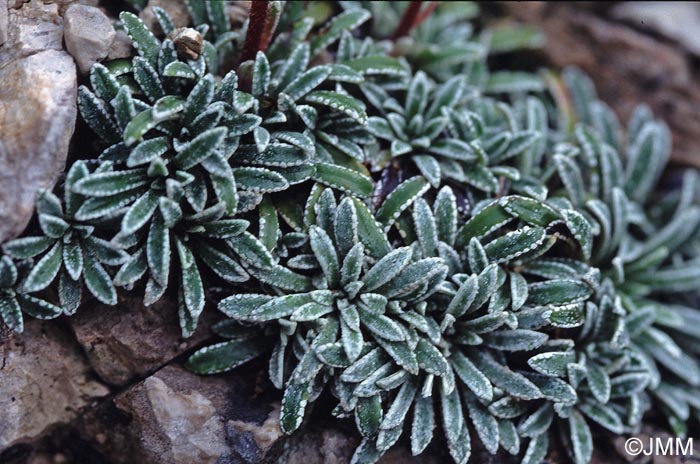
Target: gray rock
[176, 417]
[65, 4]
[45, 381]
[121, 46]
[3, 21]
[37, 119]
[679, 21]
[177, 9]
[130, 340]
[62, 4]
[88, 33]
[188, 421]
[32, 27]
[37, 110]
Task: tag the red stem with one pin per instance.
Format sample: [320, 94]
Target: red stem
[407, 19]
[412, 17]
[255, 39]
[425, 13]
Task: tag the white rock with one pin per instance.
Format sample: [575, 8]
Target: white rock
[190, 422]
[679, 21]
[177, 9]
[37, 109]
[3, 21]
[88, 33]
[32, 27]
[37, 119]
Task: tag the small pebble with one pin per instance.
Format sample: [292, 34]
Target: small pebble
[188, 43]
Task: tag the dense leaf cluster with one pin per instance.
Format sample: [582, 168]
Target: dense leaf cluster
[437, 246]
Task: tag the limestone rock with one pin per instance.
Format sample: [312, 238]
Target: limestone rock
[177, 9]
[130, 340]
[678, 21]
[176, 417]
[3, 21]
[89, 35]
[37, 110]
[37, 119]
[189, 422]
[45, 382]
[32, 27]
[121, 46]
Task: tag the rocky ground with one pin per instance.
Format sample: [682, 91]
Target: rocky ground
[107, 386]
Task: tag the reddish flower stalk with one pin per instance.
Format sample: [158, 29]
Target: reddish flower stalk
[426, 13]
[412, 17]
[255, 38]
[273, 18]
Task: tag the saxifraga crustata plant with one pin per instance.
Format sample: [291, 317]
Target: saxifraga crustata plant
[447, 251]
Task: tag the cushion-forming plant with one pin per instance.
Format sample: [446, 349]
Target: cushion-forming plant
[446, 252]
